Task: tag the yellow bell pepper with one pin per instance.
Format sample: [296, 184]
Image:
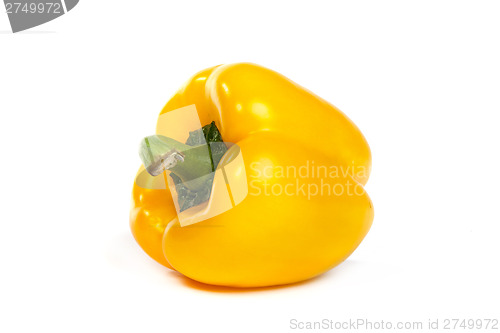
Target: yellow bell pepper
[299, 152]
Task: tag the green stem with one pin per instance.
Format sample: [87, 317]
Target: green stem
[159, 153]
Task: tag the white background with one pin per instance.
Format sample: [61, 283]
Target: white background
[421, 79]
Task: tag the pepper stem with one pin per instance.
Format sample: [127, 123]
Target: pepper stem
[159, 153]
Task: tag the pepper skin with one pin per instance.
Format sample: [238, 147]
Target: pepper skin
[268, 239]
